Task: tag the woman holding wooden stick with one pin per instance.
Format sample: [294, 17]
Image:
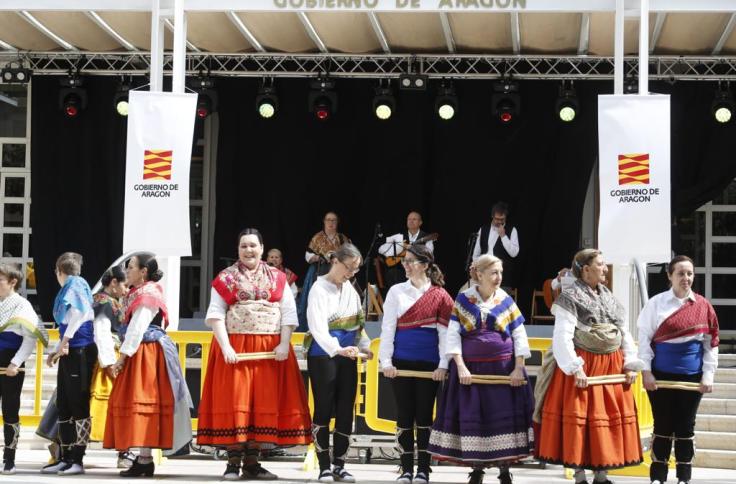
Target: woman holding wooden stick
[19, 330]
[480, 425]
[149, 403]
[678, 343]
[586, 426]
[253, 396]
[336, 338]
[415, 318]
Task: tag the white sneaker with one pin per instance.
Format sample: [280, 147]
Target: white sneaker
[326, 476]
[53, 468]
[404, 478]
[71, 470]
[341, 475]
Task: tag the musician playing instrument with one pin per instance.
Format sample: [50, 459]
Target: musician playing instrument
[394, 249]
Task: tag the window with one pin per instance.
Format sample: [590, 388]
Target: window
[709, 236]
[15, 187]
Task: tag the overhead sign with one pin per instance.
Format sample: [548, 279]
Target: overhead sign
[634, 174]
[159, 151]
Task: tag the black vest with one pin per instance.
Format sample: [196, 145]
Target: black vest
[499, 251]
[421, 234]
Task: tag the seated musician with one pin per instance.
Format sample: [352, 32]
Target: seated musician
[395, 248]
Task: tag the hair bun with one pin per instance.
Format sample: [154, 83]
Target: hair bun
[157, 275]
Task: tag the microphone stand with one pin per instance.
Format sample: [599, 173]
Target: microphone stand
[469, 257]
[377, 234]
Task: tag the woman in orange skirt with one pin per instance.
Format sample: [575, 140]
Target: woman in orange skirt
[253, 404]
[149, 404]
[587, 426]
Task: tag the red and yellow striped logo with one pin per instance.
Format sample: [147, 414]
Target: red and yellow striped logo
[157, 164]
[633, 169]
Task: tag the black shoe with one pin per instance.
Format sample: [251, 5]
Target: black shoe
[505, 478]
[476, 477]
[232, 472]
[138, 469]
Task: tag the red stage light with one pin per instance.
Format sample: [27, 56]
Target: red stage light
[203, 112]
[506, 117]
[322, 112]
[71, 111]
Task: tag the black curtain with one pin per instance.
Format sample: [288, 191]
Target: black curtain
[281, 175]
[78, 175]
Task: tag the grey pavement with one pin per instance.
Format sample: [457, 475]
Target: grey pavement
[196, 468]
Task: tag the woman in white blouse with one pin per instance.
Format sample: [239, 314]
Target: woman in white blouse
[336, 337]
[483, 425]
[678, 341]
[149, 404]
[415, 318]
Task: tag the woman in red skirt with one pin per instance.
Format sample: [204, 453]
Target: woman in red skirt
[254, 404]
[149, 404]
[587, 426]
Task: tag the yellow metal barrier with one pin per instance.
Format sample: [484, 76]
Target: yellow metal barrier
[541, 345]
[367, 391]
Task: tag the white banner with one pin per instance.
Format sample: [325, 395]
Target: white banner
[634, 173]
[159, 151]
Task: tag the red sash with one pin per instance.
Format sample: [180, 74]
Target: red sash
[434, 307]
[150, 294]
[693, 317]
[234, 284]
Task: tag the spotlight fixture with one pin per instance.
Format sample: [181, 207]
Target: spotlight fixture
[206, 95]
[567, 103]
[72, 97]
[506, 101]
[384, 103]
[631, 85]
[446, 105]
[267, 102]
[415, 82]
[723, 104]
[120, 101]
[15, 73]
[322, 101]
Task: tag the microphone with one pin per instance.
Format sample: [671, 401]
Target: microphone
[379, 232]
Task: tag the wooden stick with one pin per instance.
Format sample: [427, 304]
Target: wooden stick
[483, 381]
[2, 369]
[414, 374]
[673, 385]
[263, 355]
[666, 382]
[606, 379]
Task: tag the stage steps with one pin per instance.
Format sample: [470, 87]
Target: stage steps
[715, 428]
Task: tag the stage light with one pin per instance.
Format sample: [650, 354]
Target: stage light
[206, 95]
[322, 100]
[72, 97]
[446, 105]
[267, 102]
[384, 103]
[15, 73]
[415, 82]
[631, 85]
[120, 101]
[567, 103]
[723, 104]
[506, 101]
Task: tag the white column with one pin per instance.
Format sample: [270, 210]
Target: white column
[644, 49]
[180, 46]
[621, 286]
[618, 49]
[157, 47]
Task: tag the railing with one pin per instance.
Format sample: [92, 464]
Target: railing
[367, 391]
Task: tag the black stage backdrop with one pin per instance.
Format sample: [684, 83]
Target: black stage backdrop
[281, 175]
[78, 176]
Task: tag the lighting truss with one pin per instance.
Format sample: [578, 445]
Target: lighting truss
[383, 66]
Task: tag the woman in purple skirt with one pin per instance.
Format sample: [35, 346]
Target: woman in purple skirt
[481, 425]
